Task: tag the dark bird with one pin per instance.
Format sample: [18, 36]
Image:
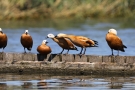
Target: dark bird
[43, 48]
[114, 42]
[3, 40]
[79, 41]
[26, 41]
[64, 43]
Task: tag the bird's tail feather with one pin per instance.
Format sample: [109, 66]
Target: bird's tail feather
[29, 49]
[124, 46]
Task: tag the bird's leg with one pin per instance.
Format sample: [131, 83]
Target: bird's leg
[118, 53]
[3, 50]
[62, 51]
[112, 52]
[24, 50]
[84, 50]
[81, 50]
[67, 51]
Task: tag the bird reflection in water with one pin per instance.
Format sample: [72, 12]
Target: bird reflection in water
[27, 85]
[42, 84]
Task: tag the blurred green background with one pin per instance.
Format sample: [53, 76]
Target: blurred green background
[80, 9]
[90, 18]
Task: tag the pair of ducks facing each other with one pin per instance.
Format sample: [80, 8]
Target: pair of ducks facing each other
[67, 42]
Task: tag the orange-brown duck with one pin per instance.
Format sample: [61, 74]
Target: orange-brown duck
[3, 40]
[43, 48]
[26, 41]
[114, 42]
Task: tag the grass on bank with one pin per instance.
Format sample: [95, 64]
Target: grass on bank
[42, 9]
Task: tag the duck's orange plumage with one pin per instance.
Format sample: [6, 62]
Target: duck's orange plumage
[114, 41]
[64, 43]
[26, 41]
[43, 48]
[79, 41]
[3, 39]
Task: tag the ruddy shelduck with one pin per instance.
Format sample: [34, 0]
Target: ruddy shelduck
[64, 43]
[79, 41]
[3, 40]
[114, 42]
[43, 48]
[26, 41]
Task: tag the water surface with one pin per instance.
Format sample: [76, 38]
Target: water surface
[94, 29]
[42, 82]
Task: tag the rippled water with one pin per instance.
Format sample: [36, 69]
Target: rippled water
[93, 29]
[42, 82]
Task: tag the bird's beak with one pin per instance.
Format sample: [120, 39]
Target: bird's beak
[46, 42]
[1, 31]
[56, 36]
[46, 37]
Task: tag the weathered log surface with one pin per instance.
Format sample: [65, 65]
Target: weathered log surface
[66, 64]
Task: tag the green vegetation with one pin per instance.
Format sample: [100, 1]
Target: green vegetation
[42, 9]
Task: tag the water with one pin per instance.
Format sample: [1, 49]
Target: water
[42, 82]
[94, 29]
